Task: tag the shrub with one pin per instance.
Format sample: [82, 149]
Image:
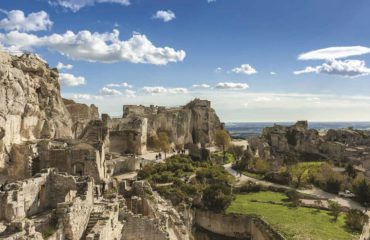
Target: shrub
[250, 187]
[293, 196]
[335, 209]
[355, 219]
[217, 197]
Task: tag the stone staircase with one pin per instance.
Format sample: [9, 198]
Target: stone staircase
[93, 219]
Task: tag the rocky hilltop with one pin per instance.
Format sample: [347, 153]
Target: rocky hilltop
[31, 106]
[280, 144]
[194, 123]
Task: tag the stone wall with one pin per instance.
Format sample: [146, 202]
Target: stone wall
[143, 228]
[81, 115]
[73, 216]
[42, 192]
[108, 226]
[238, 226]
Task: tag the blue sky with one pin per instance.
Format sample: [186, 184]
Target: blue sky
[247, 55]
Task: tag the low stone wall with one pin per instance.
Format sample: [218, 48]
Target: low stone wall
[236, 226]
[143, 228]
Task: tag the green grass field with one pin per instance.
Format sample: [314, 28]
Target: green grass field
[293, 223]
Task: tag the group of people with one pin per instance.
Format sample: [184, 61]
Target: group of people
[158, 156]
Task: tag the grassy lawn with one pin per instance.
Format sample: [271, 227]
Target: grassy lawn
[293, 223]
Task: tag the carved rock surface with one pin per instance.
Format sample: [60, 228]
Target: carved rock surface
[195, 122]
[81, 115]
[31, 106]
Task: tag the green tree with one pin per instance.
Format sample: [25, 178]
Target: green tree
[164, 143]
[261, 165]
[351, 171]
[355, 219]
[222, 140]
[334, 208]
[237, 151]
[297, 172]
[361, 188]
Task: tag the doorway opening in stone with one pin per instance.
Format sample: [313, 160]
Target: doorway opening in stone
[35, 166]
[78, 169]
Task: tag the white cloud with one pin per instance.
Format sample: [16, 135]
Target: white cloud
[109, 92]
[211, 1]
[86, 96]
[16, 20]
[76, 5]
[67, 79]
[334, 53]
[123, 84]
[244, 69]
[218, 70]
[231, 85]
[163, 90]
[346, 68]
[61, 66]
[95, 47]
[272, 73]
[130, 93]
[165, 15]
[201, 86]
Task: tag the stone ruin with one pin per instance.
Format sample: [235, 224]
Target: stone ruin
[280, 144]
[67, 173]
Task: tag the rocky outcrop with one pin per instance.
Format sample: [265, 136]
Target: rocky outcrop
[194, 123]
[31, 106]
[81, 115]
[299, 143]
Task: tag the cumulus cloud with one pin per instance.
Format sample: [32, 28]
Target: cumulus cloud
[334, 53]
[232, 85]
[76, 5]
[346, 68]
[165, 15]
[61, 66]
[16, 20]
[272, 73]
[109, 92]
[163, 90]
[203, 85]
[84, 96]
[69, 80]
[129, 93]
[123, 84]
[95, 47]
[244, 69]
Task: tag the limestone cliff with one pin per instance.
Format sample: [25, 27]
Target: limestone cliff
[195, 122]
[299, 143]
[31, 106]
[81, 115]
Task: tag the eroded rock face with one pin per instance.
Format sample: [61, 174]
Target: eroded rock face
[195, 122]
[297, 142]
[31, 106]
[81, 115]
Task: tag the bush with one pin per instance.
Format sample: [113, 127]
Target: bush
[217, 197]
[355, 219]
[293, 196]
[250, 187]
